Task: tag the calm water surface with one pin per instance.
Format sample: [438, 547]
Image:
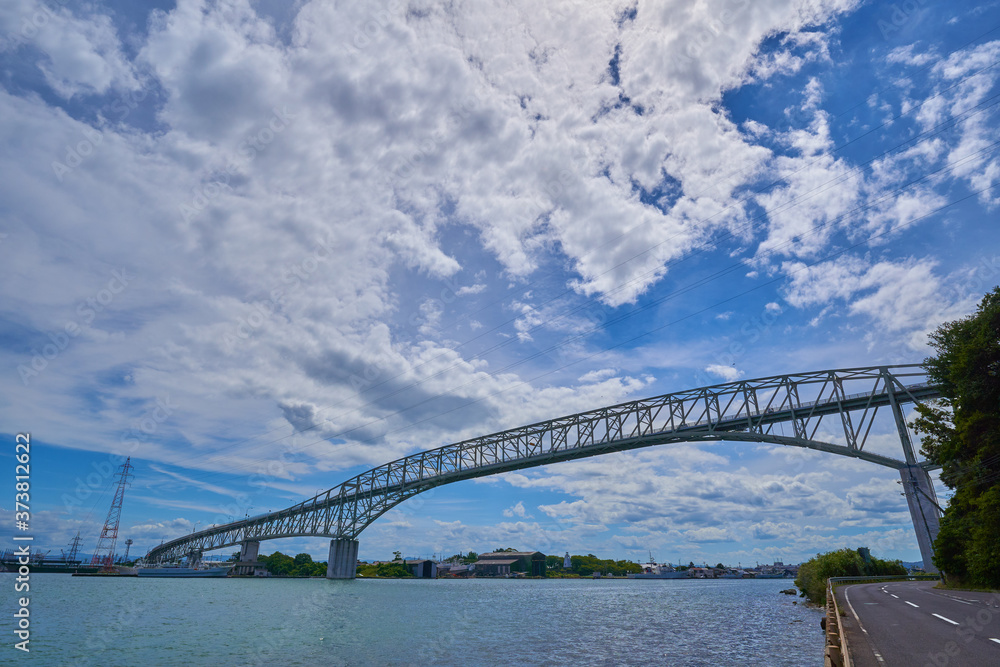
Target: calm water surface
[128, 621]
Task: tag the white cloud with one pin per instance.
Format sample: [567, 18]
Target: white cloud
[904, 297]
[82, 51]
[517, 510]
[728, 373]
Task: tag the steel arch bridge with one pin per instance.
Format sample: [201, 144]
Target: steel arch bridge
[843, 401]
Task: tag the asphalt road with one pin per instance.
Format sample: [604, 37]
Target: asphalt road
[911, 624]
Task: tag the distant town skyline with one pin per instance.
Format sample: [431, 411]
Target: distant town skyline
[260, 248]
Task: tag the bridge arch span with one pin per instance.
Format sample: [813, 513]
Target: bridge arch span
[743, 411]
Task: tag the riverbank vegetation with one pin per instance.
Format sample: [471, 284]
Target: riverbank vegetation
[282, 565]
[961, 433]
[585, 566]
[393, 570]
[842, 563]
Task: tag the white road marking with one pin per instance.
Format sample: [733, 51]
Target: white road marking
[994, 639]
[850, 606]
[912, 605]
[945, 619]
[895, 596]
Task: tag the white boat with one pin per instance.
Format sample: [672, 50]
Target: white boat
[654, 570]
[674, 574]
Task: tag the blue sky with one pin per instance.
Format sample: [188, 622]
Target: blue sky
[264, 247]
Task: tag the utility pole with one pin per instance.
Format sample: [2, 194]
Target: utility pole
[73, 548]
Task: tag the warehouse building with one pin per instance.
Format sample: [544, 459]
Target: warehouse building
[506, 563]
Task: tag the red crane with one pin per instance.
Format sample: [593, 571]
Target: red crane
[104, 554]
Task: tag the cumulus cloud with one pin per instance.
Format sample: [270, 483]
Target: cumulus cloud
[517, 510]
[903, 297]
[727, 373]
[82, 53]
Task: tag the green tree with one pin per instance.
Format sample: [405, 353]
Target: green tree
[386, 570]
[961, 432]
[587, 565]
[279, 564]
[813, 574]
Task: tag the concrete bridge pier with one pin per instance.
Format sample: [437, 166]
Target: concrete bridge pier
[343, 560]
[249, 550]
[248, 564]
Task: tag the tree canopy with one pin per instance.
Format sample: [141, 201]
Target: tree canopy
[395, 570]
[282, 565]
[961, 432]
[813, 574]
[587, 565]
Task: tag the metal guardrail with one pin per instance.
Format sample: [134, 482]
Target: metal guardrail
[887, 577]
[836, 653]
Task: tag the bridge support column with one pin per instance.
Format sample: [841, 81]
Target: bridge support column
[922, 501]
[918, 488]
[343, 560]
[248, 565]
[249, 550]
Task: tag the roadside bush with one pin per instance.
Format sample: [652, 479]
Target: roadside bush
[842, 563]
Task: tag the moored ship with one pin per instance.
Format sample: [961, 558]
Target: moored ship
[40, 562]
[200, 571]
[654, 570]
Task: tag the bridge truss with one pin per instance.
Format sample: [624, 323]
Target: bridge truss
[819, 408]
